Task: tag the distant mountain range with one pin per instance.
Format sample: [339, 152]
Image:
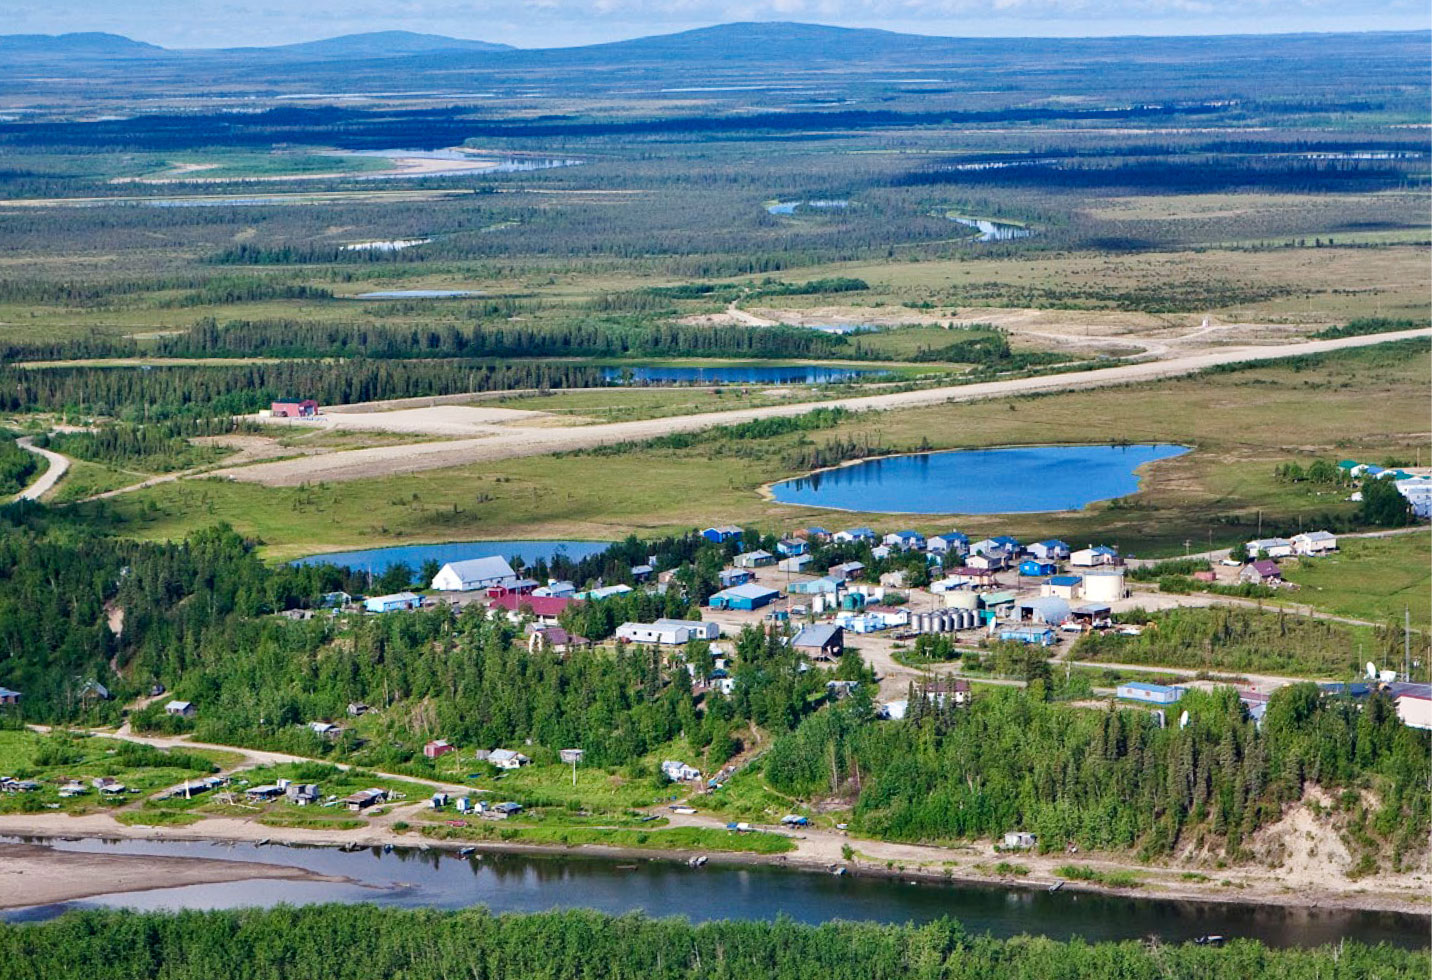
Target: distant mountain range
[376, 44]
[766, 42]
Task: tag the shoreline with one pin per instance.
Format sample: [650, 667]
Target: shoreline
[1260, 891]
[34, 875]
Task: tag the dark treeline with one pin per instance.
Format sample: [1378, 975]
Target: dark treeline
[606, 337]
[17, 466]
[1114, 779]
[157, 447]
[364, 942]
[1189, 175]
[183, 390]
[435, 128]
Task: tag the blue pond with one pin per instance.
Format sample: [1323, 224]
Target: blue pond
[379, 560]
[979, 481]
[791, 375]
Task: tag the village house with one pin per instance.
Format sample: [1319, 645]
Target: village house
[365, 798]
[881, 552]
[854, 535]
[1034, 568]
[987, 561]
[1094, 556]
[731, 577]
[1264, 571]
[325, 729]
[1149, 693]
[356, 708]
[1064, 586]
[722, 534]
[791, 546]
[823, 641]
[556, 589]
[668, 632]
[546, 610]
[394, 602]
[1414, 705]
[507, 759]
[438, 748]
[680, 772]
[754, 559]
[795, 564]
[1269, 548]
[944, 691]
[953, 543]
[1019, 840]
[846, 571]
[474, 574]
[293, 408]
[748, 596]
[1029, 635]
[1313, 543]
[9, 697]
[180, 709]
[1051, 550]
[302, 794]
[554, 637]
[905, 540]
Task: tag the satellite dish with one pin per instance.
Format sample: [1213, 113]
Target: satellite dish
[1183, 720]
[1371, 671]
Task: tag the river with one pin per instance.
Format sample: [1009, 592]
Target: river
[526, 883]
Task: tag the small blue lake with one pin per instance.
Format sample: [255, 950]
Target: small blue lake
[791, 207]
[379, 560]
[421, 294]
[799, 374]
[979, 481]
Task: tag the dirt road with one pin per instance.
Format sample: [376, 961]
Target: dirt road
[388, 460]
[58, 466]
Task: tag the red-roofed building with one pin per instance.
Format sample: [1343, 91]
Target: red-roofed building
[545, 609]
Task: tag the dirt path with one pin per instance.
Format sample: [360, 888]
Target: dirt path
[388, 460]
[59, 465]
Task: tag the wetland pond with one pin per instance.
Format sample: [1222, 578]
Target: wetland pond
[379, 560]
[993, 231]
[506, 882]
[1026, 480]
[796, 374]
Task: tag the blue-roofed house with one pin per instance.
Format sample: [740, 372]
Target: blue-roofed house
[906, 540]
[748, 596]
[1094, 556]
[1051, 550]
[723, 533]
[1063, 586]
[1034, 568]
[734, 576]
[393, 602]
[1008, 543]
[854, 535]
[953, 543]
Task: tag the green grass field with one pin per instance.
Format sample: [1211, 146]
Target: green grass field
[1373, 579]
[1241, 425]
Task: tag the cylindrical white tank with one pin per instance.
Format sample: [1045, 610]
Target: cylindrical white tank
[962, 600]
[1104, 586]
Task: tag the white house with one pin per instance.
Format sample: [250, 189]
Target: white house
[474, 574]
[507, 759]
[946, 544]
[907, 540]
[795, 563]
[854, 534]
[1314, 543]
[988, 561]
[1094, 556]
[669, 632]
[1051, 550]
[1269, 548]
[679, 772]
[1418, 492]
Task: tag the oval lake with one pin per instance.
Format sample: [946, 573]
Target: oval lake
[1026, 480]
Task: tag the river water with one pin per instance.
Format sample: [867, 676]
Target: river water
[523, 883]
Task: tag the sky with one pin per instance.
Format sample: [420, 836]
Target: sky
[554, 23]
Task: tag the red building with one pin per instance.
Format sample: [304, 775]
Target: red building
[294, 408]
[438, 748]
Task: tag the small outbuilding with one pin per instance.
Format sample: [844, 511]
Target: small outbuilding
[180, 709]
[393, 602]
[1150, 693]
[823, 641]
